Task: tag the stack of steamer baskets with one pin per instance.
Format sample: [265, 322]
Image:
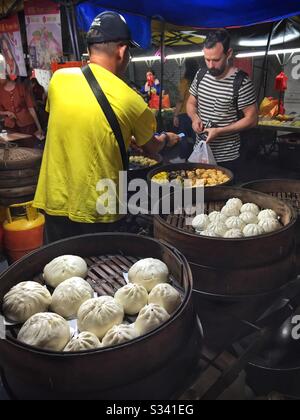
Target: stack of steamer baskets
[238, 277]
[19, 171]
[157, 365]
[287, 190]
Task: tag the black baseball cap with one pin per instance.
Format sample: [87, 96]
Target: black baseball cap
[110, 27]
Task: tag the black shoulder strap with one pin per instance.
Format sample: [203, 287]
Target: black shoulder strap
[108, 111]
[237, 84]
[200, 76]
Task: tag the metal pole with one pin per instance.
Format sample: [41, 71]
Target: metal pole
[69, 18]
[75, 33]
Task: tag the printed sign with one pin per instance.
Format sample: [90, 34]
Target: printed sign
[43, 26]
[11, 46]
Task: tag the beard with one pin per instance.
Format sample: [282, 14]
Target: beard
[217, 72]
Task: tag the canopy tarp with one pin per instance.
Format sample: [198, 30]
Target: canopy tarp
[191, 13]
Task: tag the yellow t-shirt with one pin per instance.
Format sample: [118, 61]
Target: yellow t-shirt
[80, 148]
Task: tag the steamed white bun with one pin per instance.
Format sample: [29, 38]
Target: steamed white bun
[200, 222]
[209, 234]
[253, 230]
[84, 341]
[267, 214]
[99, 315]
[216, 217]
[69, 296]
[249, 218]
[219, 228]
[165, 296]
[230, 210]
[235, 202]
[119, 334]
[47, 331]
[148, 273]
[133, 297]
[25, 300]
[250, 208]
[150, 318]
[235, 223]
[269, 225]
[63, 268]
[234, 234]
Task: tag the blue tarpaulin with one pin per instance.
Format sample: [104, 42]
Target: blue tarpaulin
[140, 25]
[195, 13]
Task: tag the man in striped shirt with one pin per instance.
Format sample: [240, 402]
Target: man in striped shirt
[212, 101]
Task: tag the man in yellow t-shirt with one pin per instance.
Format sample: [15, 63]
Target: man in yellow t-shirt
[81, 148]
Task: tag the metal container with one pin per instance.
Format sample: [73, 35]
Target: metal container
[230, 253]
[154, 366]
[287, 190]
[239, 275]
[189, 167]
[12, 158]
[142, 173]
[277, 367]
[19, 169]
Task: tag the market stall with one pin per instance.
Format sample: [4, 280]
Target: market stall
[118, 316]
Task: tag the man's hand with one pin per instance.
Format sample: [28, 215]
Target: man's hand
[197, 125]
[39, 134]
[213, 134]
[11, 115]
[176, 122]
[173, 139]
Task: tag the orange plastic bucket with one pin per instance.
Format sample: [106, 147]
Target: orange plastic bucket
[23, 231]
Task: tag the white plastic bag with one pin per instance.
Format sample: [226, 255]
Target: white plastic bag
[202, 154]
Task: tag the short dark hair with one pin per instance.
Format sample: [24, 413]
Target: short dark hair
[108, 48]
[214, 37]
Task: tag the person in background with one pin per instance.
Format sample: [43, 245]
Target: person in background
[212, 102]
[40, 99]
[181, 119]
[17, 108]
[152, 85]
[12, 67]
[81, 149]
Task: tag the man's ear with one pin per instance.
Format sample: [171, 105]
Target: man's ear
[230, 53]
[122, 51]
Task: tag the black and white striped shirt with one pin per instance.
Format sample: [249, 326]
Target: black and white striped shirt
[215, 104]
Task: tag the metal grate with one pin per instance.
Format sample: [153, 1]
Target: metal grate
[180, 220]
[106, 273]
[291, 198]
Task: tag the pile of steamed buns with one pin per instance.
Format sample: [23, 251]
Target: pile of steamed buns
[237, 220]
[100, 320]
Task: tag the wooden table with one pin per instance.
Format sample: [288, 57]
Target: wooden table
[275, 129]
[12, 136]
[285, 128]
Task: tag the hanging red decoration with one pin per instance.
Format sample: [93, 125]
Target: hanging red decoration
[281, 82]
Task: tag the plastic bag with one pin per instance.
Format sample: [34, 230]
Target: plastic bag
[202, 154]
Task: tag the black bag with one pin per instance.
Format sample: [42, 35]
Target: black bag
[108, 112]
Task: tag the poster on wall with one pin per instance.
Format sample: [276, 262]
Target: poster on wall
[43, 27]
[11, 46]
